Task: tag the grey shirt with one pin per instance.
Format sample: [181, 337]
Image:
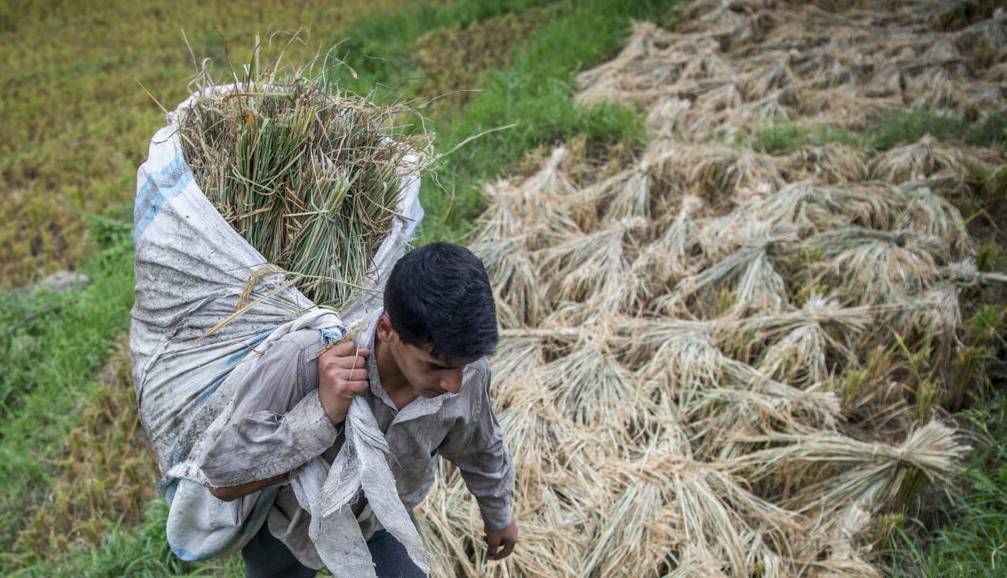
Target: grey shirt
[278, 424]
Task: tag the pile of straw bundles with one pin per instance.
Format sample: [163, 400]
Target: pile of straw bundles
[718, 362]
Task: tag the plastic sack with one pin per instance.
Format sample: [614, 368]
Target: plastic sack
[191, 268]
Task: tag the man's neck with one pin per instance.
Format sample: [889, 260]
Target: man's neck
[392, 379]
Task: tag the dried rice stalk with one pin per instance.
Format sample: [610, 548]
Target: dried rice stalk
[759, 286]
[933, 215]
[595, 391]
[835, 164]
[516, 356]
[513, 275]
[668, 258]
[966, 273]
[848, 471]
[879, 266]
[638, 517]
[844, 558]
[540, 440]
[594, 265]
[916, 161]
[639, 339]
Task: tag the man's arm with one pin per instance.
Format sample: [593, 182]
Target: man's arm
[485, 464]
[231, 493]
[264, 441]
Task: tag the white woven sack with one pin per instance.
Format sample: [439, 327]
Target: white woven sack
[191, 267]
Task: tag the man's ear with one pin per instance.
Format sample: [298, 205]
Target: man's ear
[385, 331]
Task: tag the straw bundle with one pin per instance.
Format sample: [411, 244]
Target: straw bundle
[730, 64]
[719, 362]
[307, 175]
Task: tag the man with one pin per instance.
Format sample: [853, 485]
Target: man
[421, 365]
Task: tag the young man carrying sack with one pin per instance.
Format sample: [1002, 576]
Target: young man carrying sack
[420, 364]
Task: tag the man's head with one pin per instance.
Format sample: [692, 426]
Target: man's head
[439, 316]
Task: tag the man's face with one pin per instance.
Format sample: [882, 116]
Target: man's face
[428, 375]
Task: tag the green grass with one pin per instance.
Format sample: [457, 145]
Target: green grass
[534, 93]
[786, 137]
[51, 349]
[896, 128]
[136, 552]
[970, 540]
[885, 131]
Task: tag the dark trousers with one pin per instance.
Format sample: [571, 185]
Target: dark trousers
[267, 557]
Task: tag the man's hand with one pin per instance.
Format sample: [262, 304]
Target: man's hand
[500, 543]
[342, 374]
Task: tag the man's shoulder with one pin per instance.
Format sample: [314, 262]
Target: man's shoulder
[307, 341]
[478, 370]
[476, 383]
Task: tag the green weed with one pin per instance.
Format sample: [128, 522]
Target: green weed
[970, 539]
[898, 127]
[884, 131]
[51, 349]
[786, 137]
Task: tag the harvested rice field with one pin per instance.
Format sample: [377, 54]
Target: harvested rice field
[748, 257]
[724, 362]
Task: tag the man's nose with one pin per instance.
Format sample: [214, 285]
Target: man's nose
[453, 382]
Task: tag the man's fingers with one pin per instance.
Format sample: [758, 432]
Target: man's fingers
[357, 387]
[506, 549]
[345, 349]
[347, 362]
[341, 349]
[492, 546]
[355, 375]
[350, 386]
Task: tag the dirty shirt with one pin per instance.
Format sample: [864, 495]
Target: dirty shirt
[278, 424]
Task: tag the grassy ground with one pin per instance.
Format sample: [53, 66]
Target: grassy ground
[70, 507]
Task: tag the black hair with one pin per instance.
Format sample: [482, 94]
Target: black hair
[440, 295]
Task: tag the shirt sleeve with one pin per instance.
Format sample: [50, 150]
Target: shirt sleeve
[278, 422]
[483, 460]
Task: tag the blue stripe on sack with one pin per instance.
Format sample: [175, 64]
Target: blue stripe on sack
[176, 169]
[210, 389]
[236, 357]
[143, 196]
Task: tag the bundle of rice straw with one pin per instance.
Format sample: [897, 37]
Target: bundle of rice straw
[307, 174]
[724, 363]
